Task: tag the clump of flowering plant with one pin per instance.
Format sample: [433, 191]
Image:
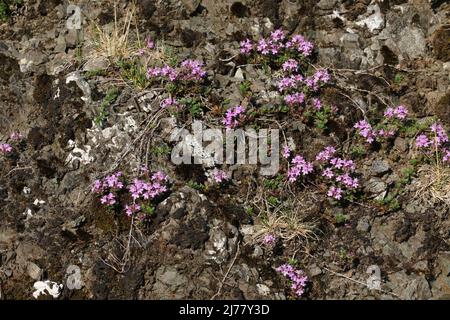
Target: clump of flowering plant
[140, 191]
[297, 278]
[337, 172]
[435, 142]
[269, 240]
[234, 116]
[188, 70]
[299, 167]
[5, 148]
[393, 119]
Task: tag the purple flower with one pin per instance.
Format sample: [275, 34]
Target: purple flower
[263, 46]
[290, 65]
[133, 208]
[169, 102]
[334, 192]
[365, 130]
[446, 155]
[269, 239]
[326, 154]
[294, 99]
[5, 147]
[317, 103]
[277, 35]
[97, 187]
[328, 173]
[16, 136]
[108, 199]
[232, 116]
[286, 152]
[219, 176]
[300, 44]
[299, 166]
[194, 70]
[297, 277]
[422, 141]
[246, 46]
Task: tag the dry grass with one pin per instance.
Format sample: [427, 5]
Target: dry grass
[434, 184]
[286, 220]
[115, 44]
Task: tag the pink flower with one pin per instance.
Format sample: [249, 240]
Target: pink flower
[5, 147]
[297, 278]
[169, 102]
[219, 176]
[299, 166]
[269, 239]
[290, 65]
[300, 44]
[246, 46]
[232, 116]
[286, 152]
[133, 208]
[108, 199]
[294, 99]
[16, 136]
[334, 192]
[328, 173]
[326, 154]
[317, 103]
[365, 130]
[422, 141]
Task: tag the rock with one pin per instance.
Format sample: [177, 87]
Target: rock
[95, 64]
[363, 225]
[60, 44]
[239, 74]
[375, 186]
[401, 144]
[326, 4]
[170, 284]
[409, 287]
[373, 22]
[263, 290]
[379, 167]
[441, 286]
[34, 271]
[314, 270]
[191, 5]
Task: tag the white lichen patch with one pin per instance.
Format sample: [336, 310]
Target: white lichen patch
[47, 287]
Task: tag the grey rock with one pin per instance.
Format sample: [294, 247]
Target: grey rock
[375, 186]
[191, 5]
[170, 284]
[401, 144]
[379, 167]
[326, 4]
[314, 270]
[60, 44]
[409, 287]
[363, 225]
[441, 286]
[98, 63]
[34, 271]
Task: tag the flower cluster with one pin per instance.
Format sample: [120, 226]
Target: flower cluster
[435, 141]
[16, 136]
[276, 43]
[233, 116]
[170, 102]
[297, 278]
[108, 187]
[338, 172]
[269, 239]
[5, 148]
[138, 190]
[189, 70]
[299, 167]
[385, 129]
[219, 176]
